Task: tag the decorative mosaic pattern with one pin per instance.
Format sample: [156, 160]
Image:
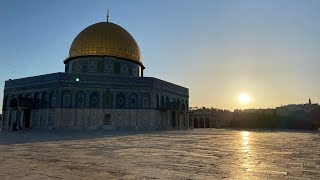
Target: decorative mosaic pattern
[80, 100]
[121, 100]
[104, 65]
[94, 100]
[133, 101]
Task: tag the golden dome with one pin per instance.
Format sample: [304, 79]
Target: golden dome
[105, 39]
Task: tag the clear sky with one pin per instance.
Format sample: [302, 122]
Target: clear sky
[219, 49]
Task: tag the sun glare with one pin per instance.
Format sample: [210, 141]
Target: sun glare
[244, 99]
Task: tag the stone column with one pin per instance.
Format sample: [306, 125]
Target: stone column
[168, 120]
[101, 100]
[126, 105]
[114, 100]
[21, 119]
[177, 120]
[86, 111]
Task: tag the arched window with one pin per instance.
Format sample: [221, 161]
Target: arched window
[53, 99]
[107, 100]
[80, 100]
[94, 100]
[183, 106]
[14, 103]
[44, 100]
[66, 99]
[121, 100]
[133, 99]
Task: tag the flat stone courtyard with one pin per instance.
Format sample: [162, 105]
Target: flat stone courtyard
[190, 154]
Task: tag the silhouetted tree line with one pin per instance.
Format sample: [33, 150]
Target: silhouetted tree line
[204, 109]
[269, 118]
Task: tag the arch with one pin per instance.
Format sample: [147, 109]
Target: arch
[187, 105]
[36, 100]
[13, 103]
[66, 99]
[173, 119]
[94, 100]
[107, 100]
[183, 106]
[133, 101]
[121, 100]
[201, 123]
[162, 102]
[145, 101]
[157, 100]
[44, 100]
[13, 114]
[80, 99]
[53, 99]
[167, 101]
[196, 123]
[207, 123]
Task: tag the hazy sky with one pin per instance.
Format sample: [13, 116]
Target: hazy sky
[218, 49]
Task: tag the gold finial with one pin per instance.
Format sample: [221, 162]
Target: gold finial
[108, 15]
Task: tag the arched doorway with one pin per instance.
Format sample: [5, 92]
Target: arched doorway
[213, 123]
[196, 123]
[173, 119]
[13, 119]
[201, 124]
[26, 118]
[207, 123]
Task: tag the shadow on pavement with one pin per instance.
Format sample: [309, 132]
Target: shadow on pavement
[32, 136]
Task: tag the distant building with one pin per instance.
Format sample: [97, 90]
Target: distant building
[254, 118]
[102, 88]
[209, 118]
[308, 107]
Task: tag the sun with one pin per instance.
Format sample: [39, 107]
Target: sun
[244, 99]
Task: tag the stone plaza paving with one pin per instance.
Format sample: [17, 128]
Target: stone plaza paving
[190, 154]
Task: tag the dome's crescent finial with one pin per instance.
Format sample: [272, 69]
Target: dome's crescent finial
[108, 15]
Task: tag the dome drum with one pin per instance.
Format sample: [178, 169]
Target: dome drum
[104, 65]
